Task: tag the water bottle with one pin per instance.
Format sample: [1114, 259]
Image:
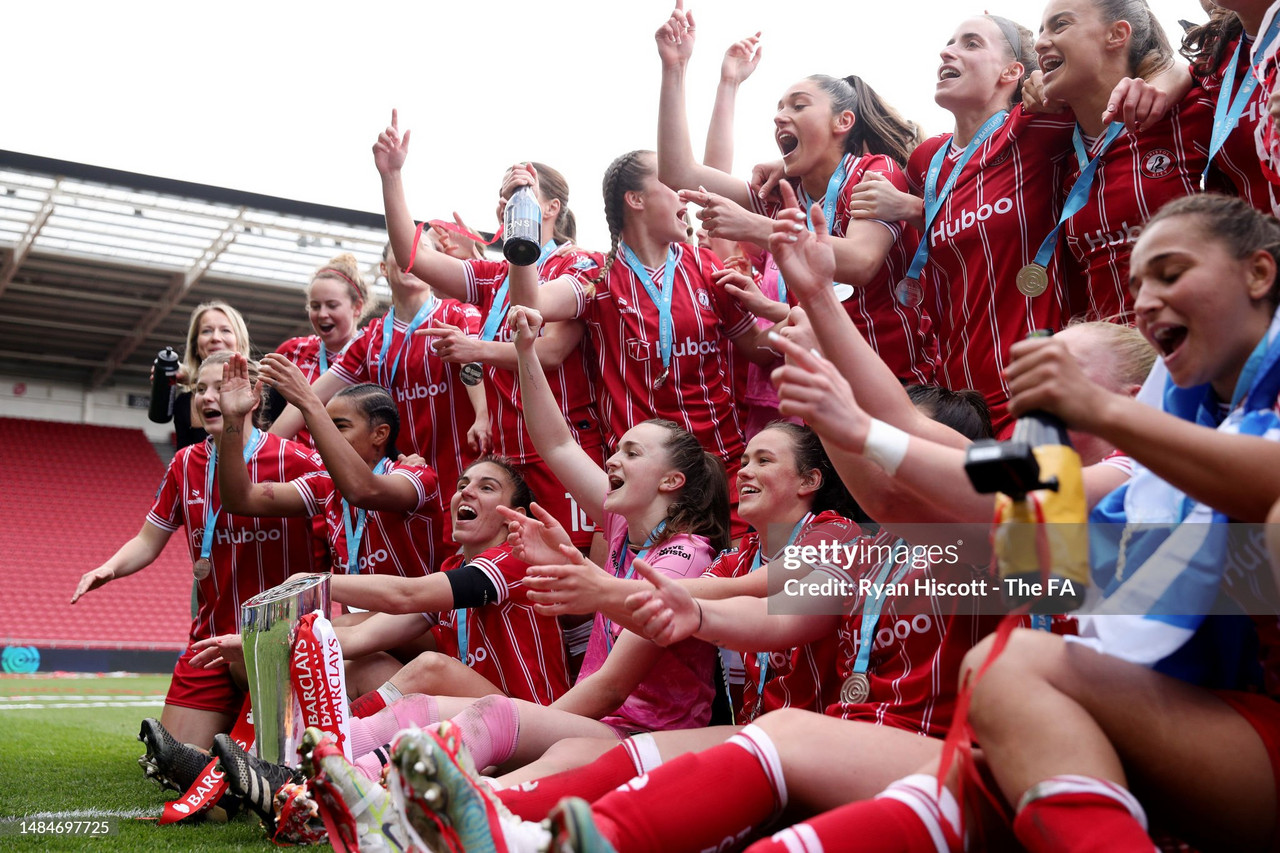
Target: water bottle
[522, 228]
[1040, 537]
[164, 386]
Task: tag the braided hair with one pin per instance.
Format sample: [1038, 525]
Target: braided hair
[625, 174]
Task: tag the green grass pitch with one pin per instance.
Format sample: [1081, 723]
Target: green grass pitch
[69, 749]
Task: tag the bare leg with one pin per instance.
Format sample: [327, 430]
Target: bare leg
[441, 675]
[1048, 708]
[195, 726]
[370, 672]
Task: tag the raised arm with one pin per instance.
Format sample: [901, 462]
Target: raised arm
[351, 474]
[740, 60]
[577, 471]
[237, 491]
[808, 263]
[677, 166]
[554, 300]
[291, 420]
[445, 274]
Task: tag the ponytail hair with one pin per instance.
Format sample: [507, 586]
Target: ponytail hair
[702, 509]
[346, 269]
[553, 187]
[625, 174]
[878, 128]
[1149, 48]
[832, 495]
[1022, 49]
[1205, 46]
[376, 404]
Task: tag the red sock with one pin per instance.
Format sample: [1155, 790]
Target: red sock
[908, 817]
[533, 800]
[1067, 814]
[368, 704]
[696, 801]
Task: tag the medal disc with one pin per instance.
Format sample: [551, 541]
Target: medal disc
[909, 293]
[1033, 280]
[202, 568]
[856, 689]
[843, 291]
[662, 378]
[471, 373]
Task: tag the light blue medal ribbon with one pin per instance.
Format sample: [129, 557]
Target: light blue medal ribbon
[618, 559]
[828, 209]
[324, 358]
[355, 535]
[1032, 278]
[388, 331]
[871, 608]
[908, 291]
[762, 658]
[256, 438]
[662, 299]
[1229, 108]
[498, 310]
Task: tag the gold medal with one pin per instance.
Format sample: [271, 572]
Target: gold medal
[471, 373]
[662, 378]
[909, 293]
[856, 689]
[202, 568]
[1033, 280]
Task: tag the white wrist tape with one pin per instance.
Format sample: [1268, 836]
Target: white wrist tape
[886, 446]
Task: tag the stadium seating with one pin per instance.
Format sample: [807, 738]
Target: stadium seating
[56, 523]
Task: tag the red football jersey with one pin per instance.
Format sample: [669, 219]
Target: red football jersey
[394, 543]
[990, 225]
[803, 677]
[622, 322]
[901, 335]
[435, 413]
[507, 642]
[570, 383]
[1237, 168]
[918, 645]
[305, 353]
[1138, 175]
[249, 555]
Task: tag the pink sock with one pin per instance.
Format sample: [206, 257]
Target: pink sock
[369, 733]
[490, 728]
[370, 765]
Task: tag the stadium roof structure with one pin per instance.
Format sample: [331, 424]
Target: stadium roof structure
[99, 268]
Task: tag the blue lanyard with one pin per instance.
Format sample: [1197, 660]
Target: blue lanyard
[255, 441]
[871, 608]
[388, 330]
[661, 298]
[1080, 189]
[935, 198]
[1229, 108]
[828, 209]
[324, 358]
[762, 658]
[618, 558]
[356, 535]
[498, 310]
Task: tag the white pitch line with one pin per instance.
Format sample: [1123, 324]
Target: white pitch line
[62, 697]
[54, 705]
[80, 813]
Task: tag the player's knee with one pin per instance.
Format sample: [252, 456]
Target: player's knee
[784, 721]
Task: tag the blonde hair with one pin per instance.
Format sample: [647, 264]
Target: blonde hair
[346, 269]
[191, 356]
[1131, 355]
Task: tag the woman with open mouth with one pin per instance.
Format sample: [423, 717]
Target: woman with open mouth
[234, 557]
[490, 355]
[833, 133]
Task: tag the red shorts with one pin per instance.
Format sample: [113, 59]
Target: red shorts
[204, 689]
[1263, 713]
[555, 499]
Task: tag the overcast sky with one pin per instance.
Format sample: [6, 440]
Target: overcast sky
[287, 99]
